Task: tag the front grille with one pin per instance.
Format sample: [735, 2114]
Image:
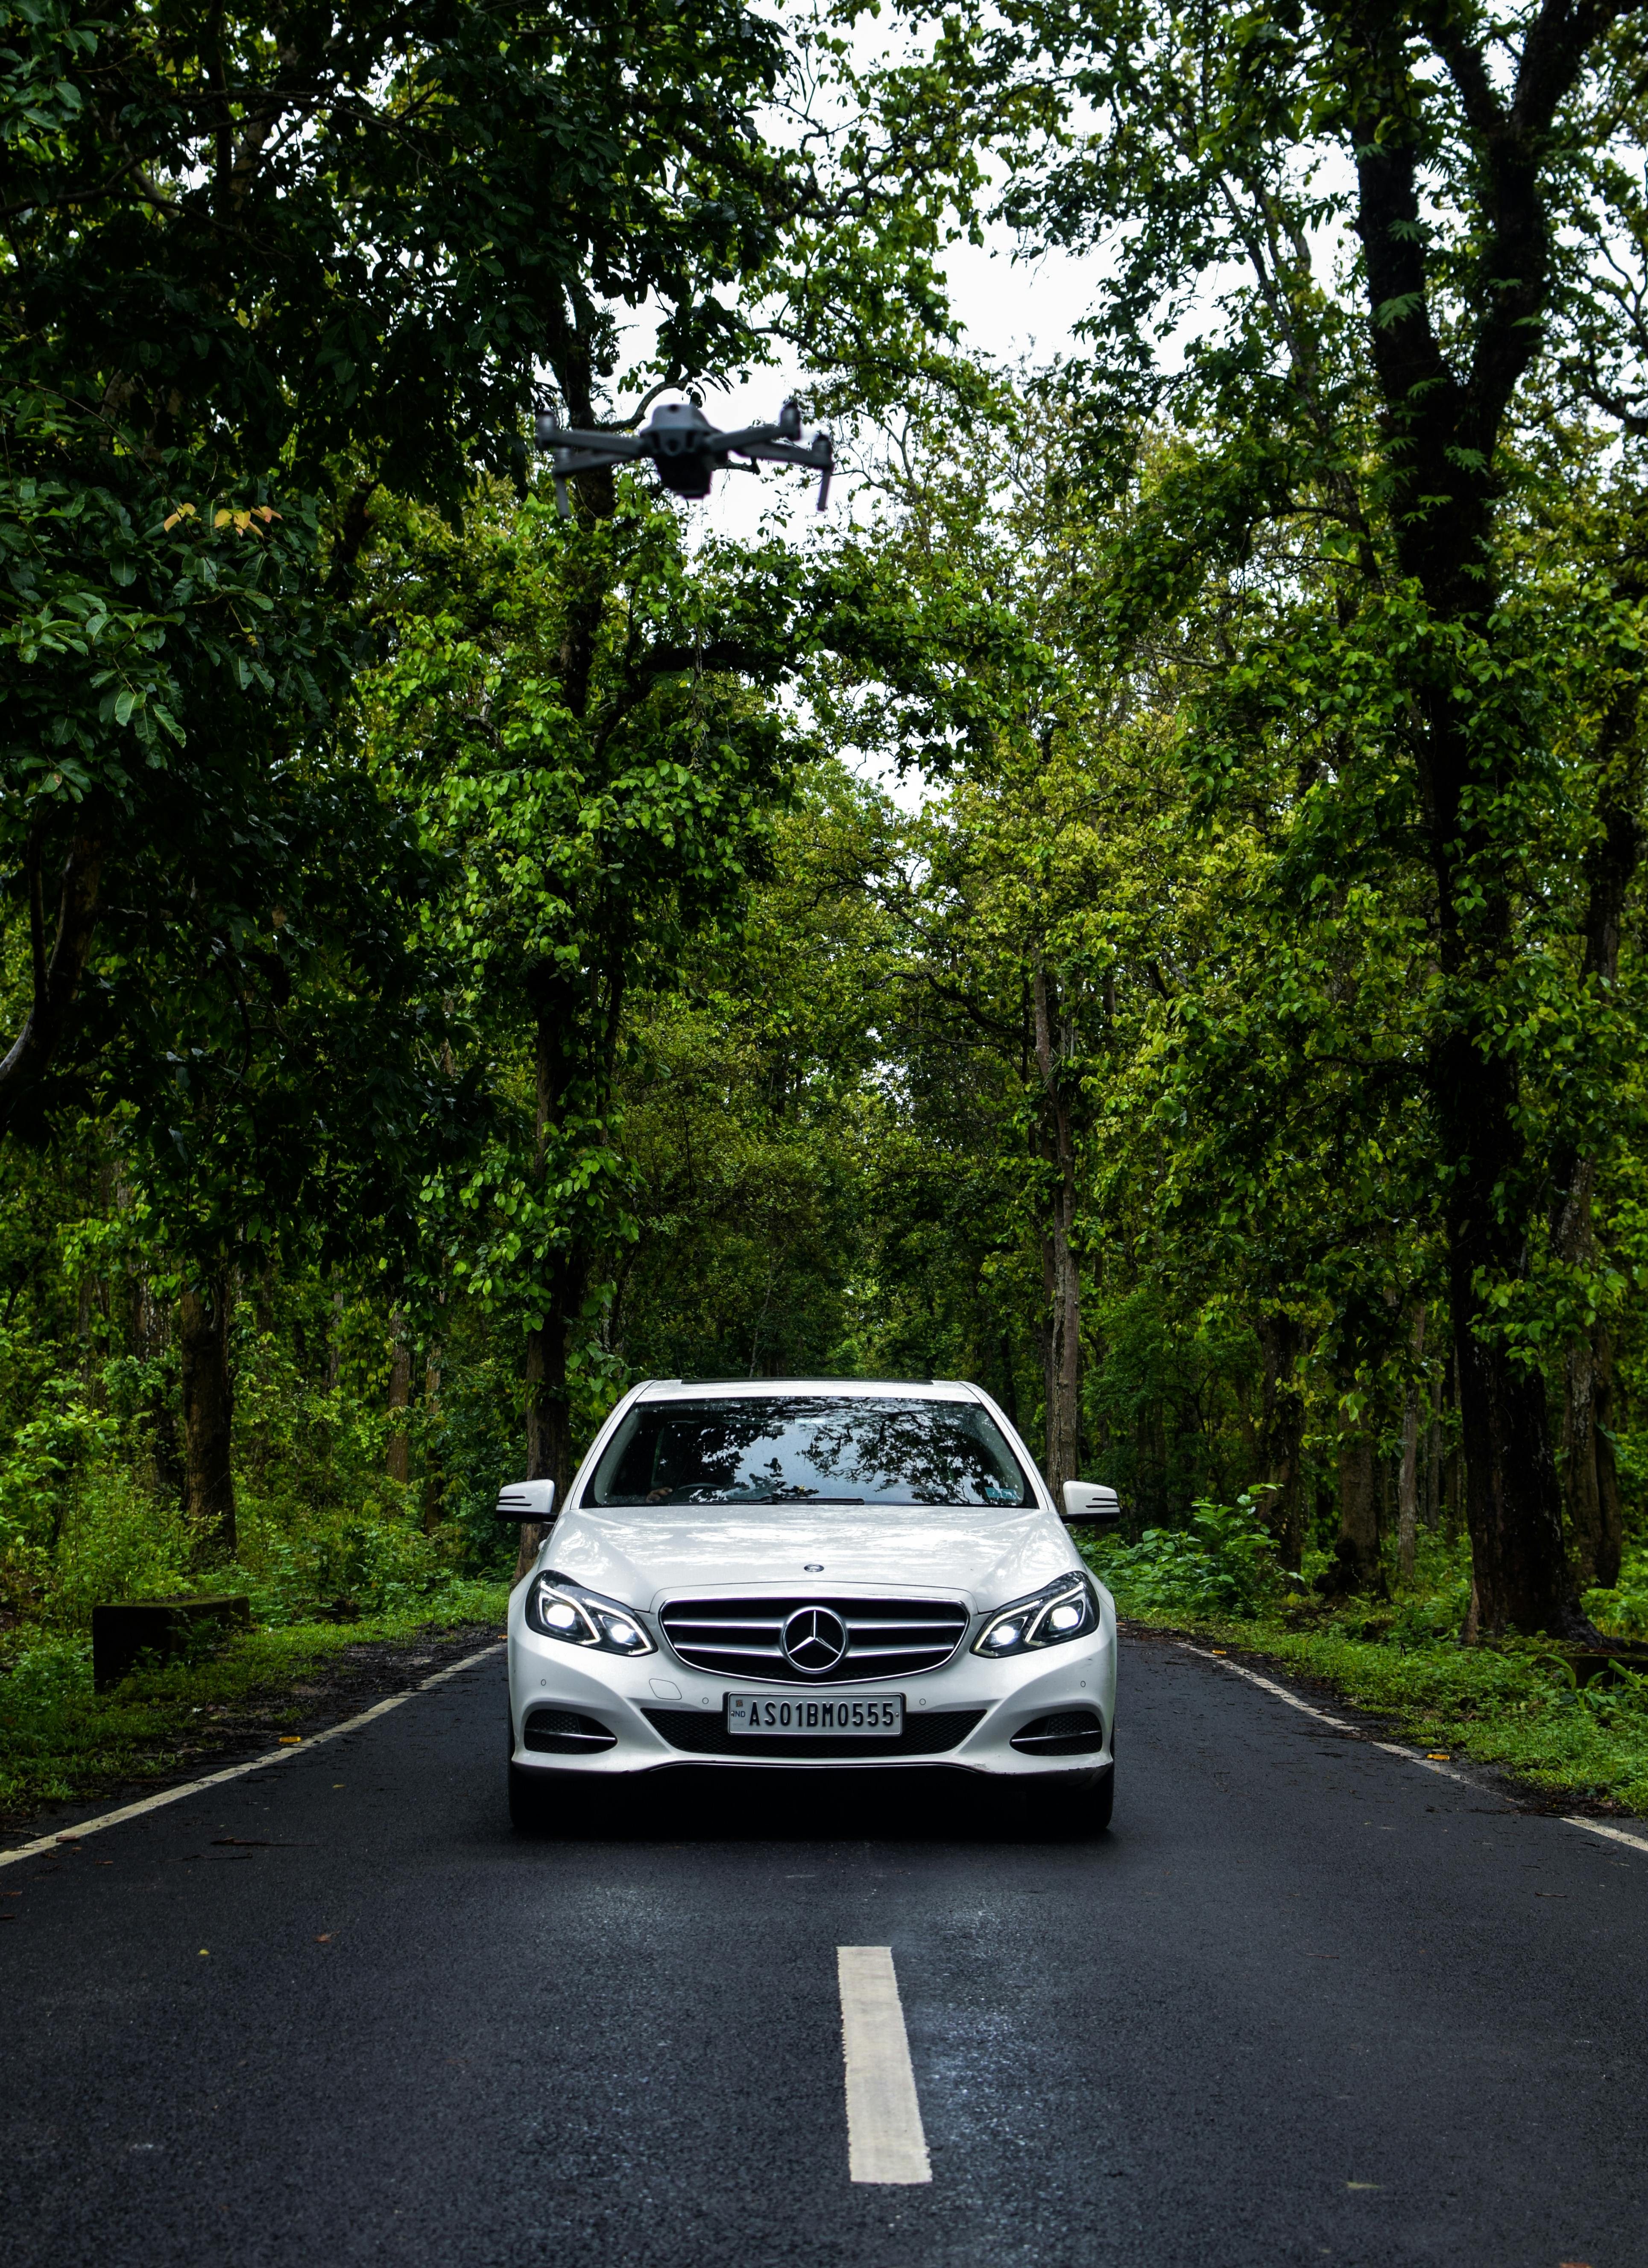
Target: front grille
[1072, 1733]
[563, 1733]
[886, 1638]
[927, 1736]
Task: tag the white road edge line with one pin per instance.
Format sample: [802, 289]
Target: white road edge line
[1391, 1747]
[885, 2141]
[238, 1771]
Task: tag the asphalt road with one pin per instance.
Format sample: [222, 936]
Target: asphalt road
[1306, 2002]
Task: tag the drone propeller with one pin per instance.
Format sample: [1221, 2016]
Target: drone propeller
[686, 449]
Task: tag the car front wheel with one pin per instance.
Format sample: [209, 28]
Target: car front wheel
[529, 1814]
[1071, 1814]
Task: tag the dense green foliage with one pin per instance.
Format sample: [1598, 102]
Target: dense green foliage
[463, 960]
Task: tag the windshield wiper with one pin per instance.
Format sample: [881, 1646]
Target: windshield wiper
[795, 1499]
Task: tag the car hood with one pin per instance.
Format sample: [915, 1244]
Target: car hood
[645, 1554]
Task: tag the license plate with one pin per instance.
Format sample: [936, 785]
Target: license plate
[761, 1713]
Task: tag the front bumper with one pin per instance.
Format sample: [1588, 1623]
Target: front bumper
[661, 1714]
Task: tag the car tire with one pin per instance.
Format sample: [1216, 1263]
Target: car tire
[528, 1813]
[1071, 1814]
[1101, 1802]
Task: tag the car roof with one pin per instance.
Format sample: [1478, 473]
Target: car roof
[698, 1389]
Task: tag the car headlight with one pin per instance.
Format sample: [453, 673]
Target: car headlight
[1064, 1610]
[559, 1608]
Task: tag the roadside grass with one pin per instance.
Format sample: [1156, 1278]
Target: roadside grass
[60, 1741]
[1519, 1705]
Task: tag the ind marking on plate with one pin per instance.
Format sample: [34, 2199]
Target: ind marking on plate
[881, 1717]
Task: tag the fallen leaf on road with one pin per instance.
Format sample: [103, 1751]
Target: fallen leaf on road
[289, 1740]
[204, 1955]
[1364, 2185]
[325, 1938]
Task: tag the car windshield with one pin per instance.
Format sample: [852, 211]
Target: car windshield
[809, 1448]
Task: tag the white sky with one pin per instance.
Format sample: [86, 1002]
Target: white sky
[1008, 310]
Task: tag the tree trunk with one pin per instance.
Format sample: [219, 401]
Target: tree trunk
[1407, 1479]
[1281, 1435]
[434, 1462]
[56, 977]
[549, 1406]
[397, 1456]
[151, 1331]
[568, 1050]
[1593, 1503]
[203, 1319]
[1356, 1555]
[1611, 860]
[1408, 1487]
[1433, 1474]
[564, 1064]
[1443, 411]
[1061, 1327]
[1513, 1505]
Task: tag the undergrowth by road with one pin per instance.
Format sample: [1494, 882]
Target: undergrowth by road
[1520, 1706]
[62, 1743]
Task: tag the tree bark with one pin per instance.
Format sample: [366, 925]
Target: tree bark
[1357, 1554]
[1061, 1326]
[1594, 1500]
[397, 1456]
[435, 1460]
[565, 1062]
[151, 1331]
[1433, 1473]
[56, 977]
[1281, 1435]
[208, 1413]
[1407, 1479]
[565, 1049]
[1588, 1470]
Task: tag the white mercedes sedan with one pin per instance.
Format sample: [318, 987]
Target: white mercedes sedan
[807, 1574]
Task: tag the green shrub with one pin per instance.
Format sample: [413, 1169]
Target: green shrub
[1223, 1562]
[1622, 1611]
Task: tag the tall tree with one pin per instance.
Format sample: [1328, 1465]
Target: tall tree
[247, 263]
[1378, 407]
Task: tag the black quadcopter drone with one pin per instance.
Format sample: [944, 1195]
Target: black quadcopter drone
[687, 449]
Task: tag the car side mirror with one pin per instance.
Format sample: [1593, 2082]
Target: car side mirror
[1089, 1504]
[524, 1501]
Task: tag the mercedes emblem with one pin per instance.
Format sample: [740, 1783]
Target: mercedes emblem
[815, 1639]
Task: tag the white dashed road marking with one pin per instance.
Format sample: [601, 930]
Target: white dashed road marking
[1391, 1748]
[239, 1771]
[885, 2142]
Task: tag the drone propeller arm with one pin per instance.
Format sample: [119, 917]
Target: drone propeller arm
[817, 453]
[601, 448]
